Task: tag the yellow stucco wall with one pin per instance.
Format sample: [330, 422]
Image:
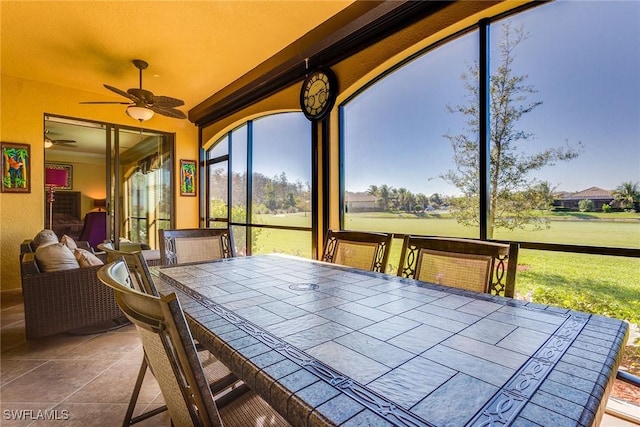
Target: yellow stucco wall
[23, 104]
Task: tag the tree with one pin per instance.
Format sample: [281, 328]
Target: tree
[422, 201]
[627, 195]
[436, 200]
[511, 185]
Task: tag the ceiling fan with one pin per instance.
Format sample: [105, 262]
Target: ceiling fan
[48, 142]
[143, 102]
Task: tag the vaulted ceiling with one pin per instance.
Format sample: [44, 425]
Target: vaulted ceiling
[194, 48]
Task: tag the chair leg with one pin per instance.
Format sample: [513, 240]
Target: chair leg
[136, 392]
[216, 388]
[128, 420]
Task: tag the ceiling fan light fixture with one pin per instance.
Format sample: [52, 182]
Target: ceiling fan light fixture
[139, 113]
[48, 143]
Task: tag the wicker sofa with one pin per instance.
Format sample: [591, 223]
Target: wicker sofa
[63, 301]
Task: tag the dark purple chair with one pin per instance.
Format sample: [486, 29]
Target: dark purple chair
[94, 230]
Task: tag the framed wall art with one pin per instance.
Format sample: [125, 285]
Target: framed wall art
[16, 168]
[69, 172]
[188, 177]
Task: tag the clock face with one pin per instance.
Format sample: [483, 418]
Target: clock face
[318, 94]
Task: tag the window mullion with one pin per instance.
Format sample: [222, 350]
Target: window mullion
[484, 130]
[249, 213]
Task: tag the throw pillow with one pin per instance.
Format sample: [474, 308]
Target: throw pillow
[69, 242]
[86, 258]
[55, 257]
[44, 238]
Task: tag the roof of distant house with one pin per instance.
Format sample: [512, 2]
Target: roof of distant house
[592, 193]
[358, 197]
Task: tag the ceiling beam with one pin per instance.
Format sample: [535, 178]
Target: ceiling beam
[355, 28]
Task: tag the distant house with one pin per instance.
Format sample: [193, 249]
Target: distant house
[359, 202]
[571, 200]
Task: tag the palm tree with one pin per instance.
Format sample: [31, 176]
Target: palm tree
[627, 194]
[374, 191]
[385, 196]
[406, 199]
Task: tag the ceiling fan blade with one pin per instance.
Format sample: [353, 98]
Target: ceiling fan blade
[169, 112]
[167, 102]
[141, 95]
[106, 102]
[121, 92]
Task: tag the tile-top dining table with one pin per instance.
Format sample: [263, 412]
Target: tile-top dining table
[331, 345]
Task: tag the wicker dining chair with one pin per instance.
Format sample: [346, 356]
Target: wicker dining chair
[171, 354]
[195, 245]
[359, 249]
[461, 263]
[139, 278]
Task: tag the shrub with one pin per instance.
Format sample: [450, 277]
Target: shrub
[585, 205]
[606, 208]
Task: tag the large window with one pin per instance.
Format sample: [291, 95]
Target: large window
[269, 180]
[569, 136]
[396, 151]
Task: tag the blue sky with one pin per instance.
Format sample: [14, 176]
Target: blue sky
[582, 57]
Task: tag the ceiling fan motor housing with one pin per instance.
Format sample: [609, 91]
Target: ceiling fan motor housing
[140, 64]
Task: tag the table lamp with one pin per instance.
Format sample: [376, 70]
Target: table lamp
[100, 205]
[53, 177]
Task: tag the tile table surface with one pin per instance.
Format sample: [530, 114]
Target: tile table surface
[331, 345]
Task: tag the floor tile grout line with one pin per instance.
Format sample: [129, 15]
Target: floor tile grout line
[44, 362]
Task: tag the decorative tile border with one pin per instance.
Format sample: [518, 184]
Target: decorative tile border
[505, 405]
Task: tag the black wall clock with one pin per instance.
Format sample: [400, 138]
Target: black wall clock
[318, 94]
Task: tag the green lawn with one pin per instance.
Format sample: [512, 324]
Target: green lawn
[591, 283]
[614, 233]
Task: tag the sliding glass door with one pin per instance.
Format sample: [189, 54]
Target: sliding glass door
[143, 175]
[125, 173]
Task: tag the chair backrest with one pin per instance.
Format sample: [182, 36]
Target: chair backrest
[94, 229]
[195, 245]
[138, 267]
[359, 249]
[461, 263]
[169, 348]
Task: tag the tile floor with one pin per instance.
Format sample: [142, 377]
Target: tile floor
[81, 380]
